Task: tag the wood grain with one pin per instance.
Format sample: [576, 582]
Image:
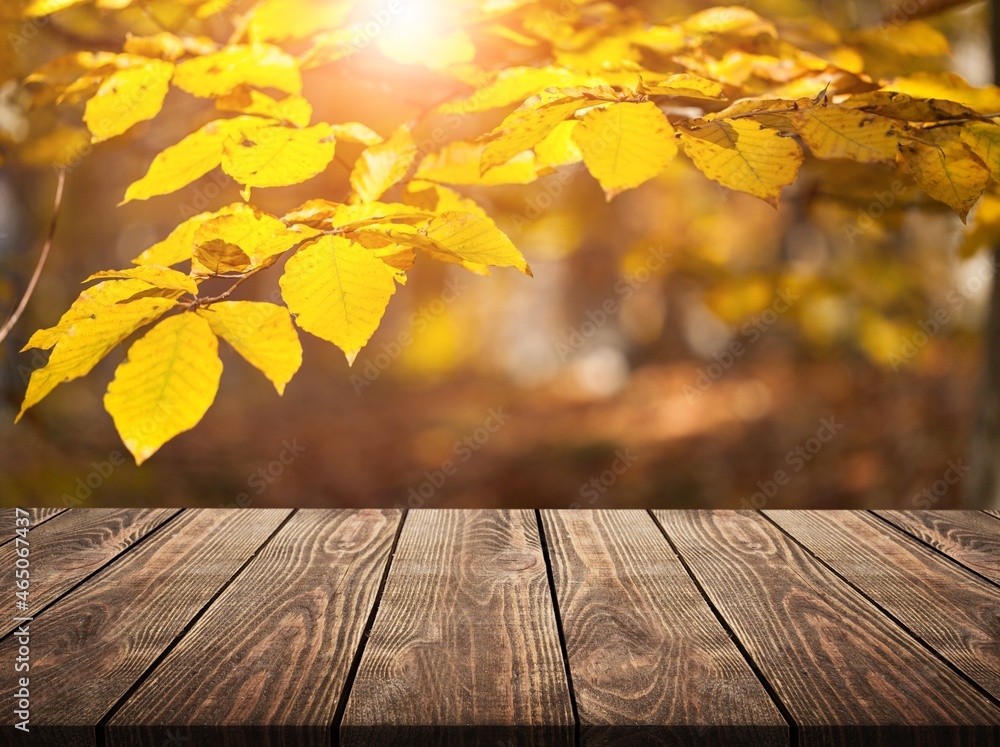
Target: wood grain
[464, 649]
[969, 537]
[844, 671]
[953, 611]
[92, 645]
[650, 663]
[71, 546]
[35, 515]
[267, 663]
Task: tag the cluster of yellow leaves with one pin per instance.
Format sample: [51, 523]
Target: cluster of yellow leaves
[742, 98]
[345, 261]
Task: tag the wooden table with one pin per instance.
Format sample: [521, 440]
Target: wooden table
[252, 627]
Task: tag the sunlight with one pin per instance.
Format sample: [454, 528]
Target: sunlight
[413, 31]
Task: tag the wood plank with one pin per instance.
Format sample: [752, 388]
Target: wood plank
[953, 611]
[649, 661]
[969, 537]
[995, 514]
[465, 648]
[267, 662]
[71, 546]
[95, 643]
[35, 515]
[844, 671]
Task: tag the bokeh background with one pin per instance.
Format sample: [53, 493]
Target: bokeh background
[610, 379]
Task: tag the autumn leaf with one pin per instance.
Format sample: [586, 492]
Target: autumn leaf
[47, 7]
[524, 128]
[459, 163]
[834, 132]
[256, 234]
[254, 65]
[946, 170]
[514, 85]
[382, 165]
[180, 164]
[291, 109]
[558, 148]
[742, 155]
[166, 384]
[983, 139]
[476, 239]
[682, 84]
[156, 276]
[262, 333]
[338, 290]
[355, 132]
[274, 155]
[127, 97]
[624, 145]
[88, 332]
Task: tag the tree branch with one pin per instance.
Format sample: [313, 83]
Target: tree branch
[56, 205]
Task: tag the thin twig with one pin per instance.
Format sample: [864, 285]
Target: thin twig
[56, 205]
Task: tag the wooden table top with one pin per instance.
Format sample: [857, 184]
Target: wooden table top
[166, 627]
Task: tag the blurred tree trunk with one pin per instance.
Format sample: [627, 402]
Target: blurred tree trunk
[982, 489]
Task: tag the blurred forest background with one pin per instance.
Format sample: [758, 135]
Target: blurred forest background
[614, 378]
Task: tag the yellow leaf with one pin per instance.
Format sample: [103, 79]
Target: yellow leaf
[62, 146]
[127, 97]
[742, 155]
[255, 65]
[262, 333]
[47, 7]
[913, 39]
[166, 385]
[338, 290]
[89, 303]
[524, 128]
[179, 245]
[558, 148]
[158, 277]
[983, 138]
[217, 257]
[169, 46]
[625, 145]
[381, 166]
[683, 84]
[275, 155]
[475, 239]
[90, 333]
[948, 86]
[256, 234]
[326, 214]
[355, 132]
[946, 170]
[277, 20]
[834, 132]
[293, 109]
[459, 163]
[515, 84]
[728, 20]
[436, 198]
[180, 164]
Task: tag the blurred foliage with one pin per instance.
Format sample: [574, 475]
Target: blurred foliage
[627, 333]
